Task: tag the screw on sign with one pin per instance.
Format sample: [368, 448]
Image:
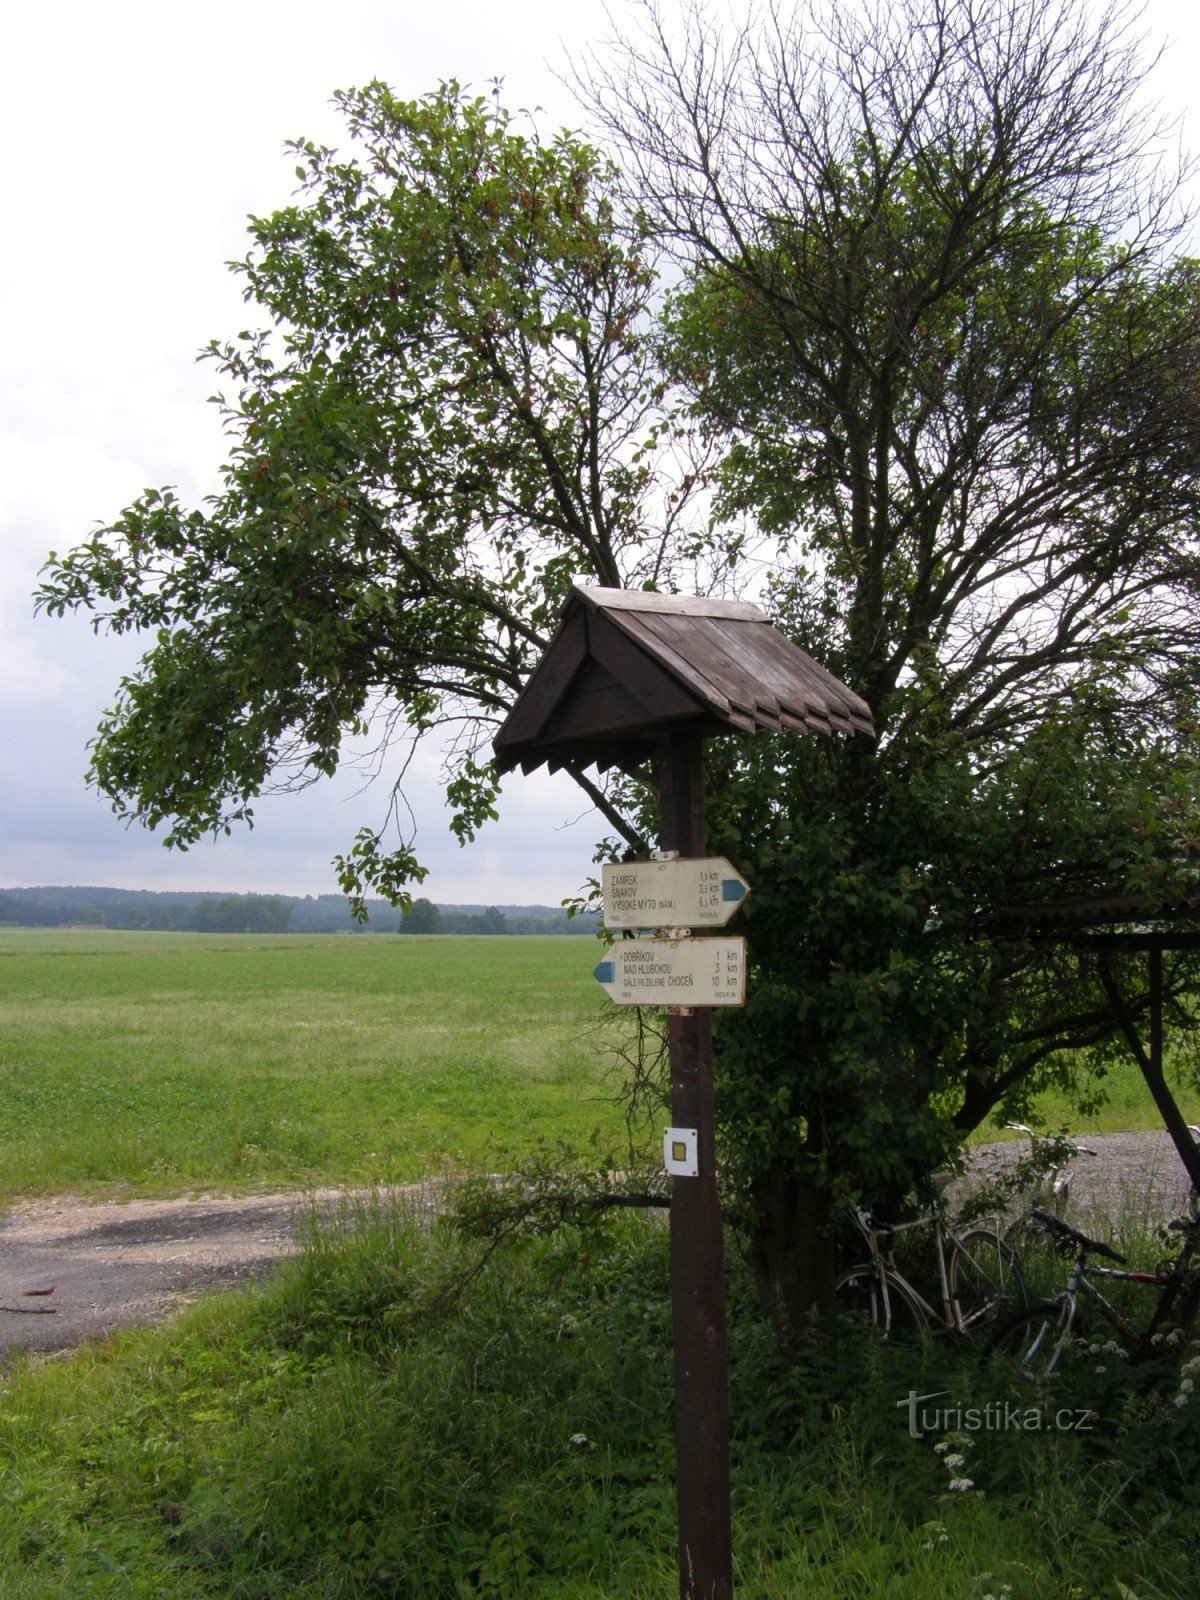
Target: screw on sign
[632, 677]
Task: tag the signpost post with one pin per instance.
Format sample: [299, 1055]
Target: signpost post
[688, 976]
[632, 675]
[697, 1242]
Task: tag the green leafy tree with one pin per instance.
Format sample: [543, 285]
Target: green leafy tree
[453, 412]
[241, 913]
[934, 315]
[926, 379]
[421, 917]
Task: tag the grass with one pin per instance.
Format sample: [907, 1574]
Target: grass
[343, 1433]
[164, 1063]
[1123, 1102]
[172, 1062]
[346, 1431]
[1126, 1104]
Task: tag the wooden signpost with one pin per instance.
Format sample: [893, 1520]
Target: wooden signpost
[632, 679]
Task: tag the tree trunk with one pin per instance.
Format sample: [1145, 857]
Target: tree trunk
[791, 1250]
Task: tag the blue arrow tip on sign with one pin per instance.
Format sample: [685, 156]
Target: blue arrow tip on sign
[606, 972]
[732, 889]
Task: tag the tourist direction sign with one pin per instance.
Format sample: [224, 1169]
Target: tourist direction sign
[675, 972]
[671, 894]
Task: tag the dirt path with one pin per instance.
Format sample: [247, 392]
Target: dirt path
[71, 1270]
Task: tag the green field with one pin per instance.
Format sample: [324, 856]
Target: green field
[169, 1062]
[173, 1061]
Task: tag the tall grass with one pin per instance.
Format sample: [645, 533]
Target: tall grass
[353, 1430]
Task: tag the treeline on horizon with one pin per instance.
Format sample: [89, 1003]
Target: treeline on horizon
[136, 910]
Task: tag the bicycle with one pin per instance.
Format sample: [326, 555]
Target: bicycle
[1049, 1166]
[979, 1276]
[1037, 1337]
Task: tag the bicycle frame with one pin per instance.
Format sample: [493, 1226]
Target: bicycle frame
[1080, 1283]
[1171, 1278]
[950, 1316]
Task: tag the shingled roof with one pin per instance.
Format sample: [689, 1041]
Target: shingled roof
[625, 664]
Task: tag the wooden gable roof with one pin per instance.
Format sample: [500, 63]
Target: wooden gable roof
[627, 664]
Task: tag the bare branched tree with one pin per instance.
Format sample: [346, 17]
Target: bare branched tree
[933, 306]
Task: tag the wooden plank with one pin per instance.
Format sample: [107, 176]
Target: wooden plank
[815, 688]
[597, 704]
[758, 667]
[722, 651]
[1168, 939]
[784, 666]
[658, 689]
[686, 605]
[678, 661]
[708, 665]
[548, 683]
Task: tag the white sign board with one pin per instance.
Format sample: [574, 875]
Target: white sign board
[675, 972]
[671, 894]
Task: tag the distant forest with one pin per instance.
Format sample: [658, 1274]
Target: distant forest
[182, 912]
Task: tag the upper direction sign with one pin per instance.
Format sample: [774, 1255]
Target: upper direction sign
[672, 894]
[675, 972]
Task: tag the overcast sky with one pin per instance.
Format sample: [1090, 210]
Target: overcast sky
[137, 138]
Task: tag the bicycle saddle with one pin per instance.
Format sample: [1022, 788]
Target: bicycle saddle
[1064, 1231]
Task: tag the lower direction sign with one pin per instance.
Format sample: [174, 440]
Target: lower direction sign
[675, 972]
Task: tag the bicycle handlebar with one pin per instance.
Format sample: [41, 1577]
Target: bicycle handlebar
[1063, 1230]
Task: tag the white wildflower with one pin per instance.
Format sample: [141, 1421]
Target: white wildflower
[962, 1483]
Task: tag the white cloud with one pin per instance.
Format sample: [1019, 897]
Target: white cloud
[27, 676]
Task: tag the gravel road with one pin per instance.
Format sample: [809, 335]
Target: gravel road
[72, 1270]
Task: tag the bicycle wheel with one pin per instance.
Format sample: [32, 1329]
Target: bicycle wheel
[1034, 1338]
[985, 1279]
[881, 1300]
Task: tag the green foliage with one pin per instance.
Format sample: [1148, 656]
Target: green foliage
[439, 426]
[254, 913]
[952, 387]
[421, 917]
[317, 1438]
